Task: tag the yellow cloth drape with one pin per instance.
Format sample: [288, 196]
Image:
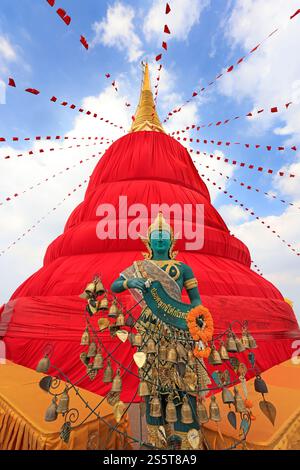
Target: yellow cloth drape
[283, 382]
[22, 409]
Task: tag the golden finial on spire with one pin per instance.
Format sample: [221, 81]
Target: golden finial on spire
[146, 117]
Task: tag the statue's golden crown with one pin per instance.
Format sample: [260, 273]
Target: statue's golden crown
[160, 224]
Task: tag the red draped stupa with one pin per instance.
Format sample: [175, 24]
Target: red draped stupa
[148, 167]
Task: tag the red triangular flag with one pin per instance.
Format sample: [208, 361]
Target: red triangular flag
[158, 57]
[165, 45]
[295, 14]
[11, 82]
[195, 94]
[230, 68]
[107, 75]
[84, 42]
[168, 9]
[274, 110]
[51, 3]
[254, 48]
[166, 29]
[33, 91]
[62, 13]
[67, 20]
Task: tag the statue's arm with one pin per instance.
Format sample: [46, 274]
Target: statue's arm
[191, 285]
[120, 284]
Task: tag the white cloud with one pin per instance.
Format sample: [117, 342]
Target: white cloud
[278, 264]
[8, 54]
[7, 50]
[271, 75]
[184, 15]
[118, 30]
[233, 214]
[289, 186]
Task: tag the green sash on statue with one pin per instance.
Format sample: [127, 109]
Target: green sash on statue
[163, 297]
[167, 309]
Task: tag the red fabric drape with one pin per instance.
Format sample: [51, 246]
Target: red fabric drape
[147, 167]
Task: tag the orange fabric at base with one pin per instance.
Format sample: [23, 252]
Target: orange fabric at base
[283, 383]
[22, 409]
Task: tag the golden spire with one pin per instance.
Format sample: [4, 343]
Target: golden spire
[146, 117]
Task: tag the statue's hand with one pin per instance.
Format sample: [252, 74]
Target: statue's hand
[137, 284]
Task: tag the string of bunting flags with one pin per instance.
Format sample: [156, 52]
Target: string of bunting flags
[219, 143]
[258, 270]
[67, 20]
[243, 164]
[34, 91]
[229, 69]
[48, 137]
[251, 114]
[159, 56]
[46, 180]
[31, 153]
[34, 226]
[249, 187]
[251, 212]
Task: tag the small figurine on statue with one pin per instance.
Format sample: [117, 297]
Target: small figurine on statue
[173, 377]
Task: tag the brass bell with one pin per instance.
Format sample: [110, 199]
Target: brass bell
[92, 350]
[44, 365]
[120, 320]
[245, 340]
[223, 352]
[171, 414]
[214, 357]
[227, 396]
[99, 286]
[113, 310]
[172, 355]
[252, 342]
[239, 402]
[186, 412]
[202, 412]
[162, 352]
[51, 412]
[239, 345]
[89, 291]
[104, 303]
[230, 343]
[108, 373]
[214, 410]
[138, 340]
[85, 339]
[117, 383]
[151, 346]
[98, 361]
[155, 407]
[144, 389]
[63, 404]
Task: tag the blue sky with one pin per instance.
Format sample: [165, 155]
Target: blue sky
[38, 50]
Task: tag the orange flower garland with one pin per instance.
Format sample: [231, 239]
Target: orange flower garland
[203, 334]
